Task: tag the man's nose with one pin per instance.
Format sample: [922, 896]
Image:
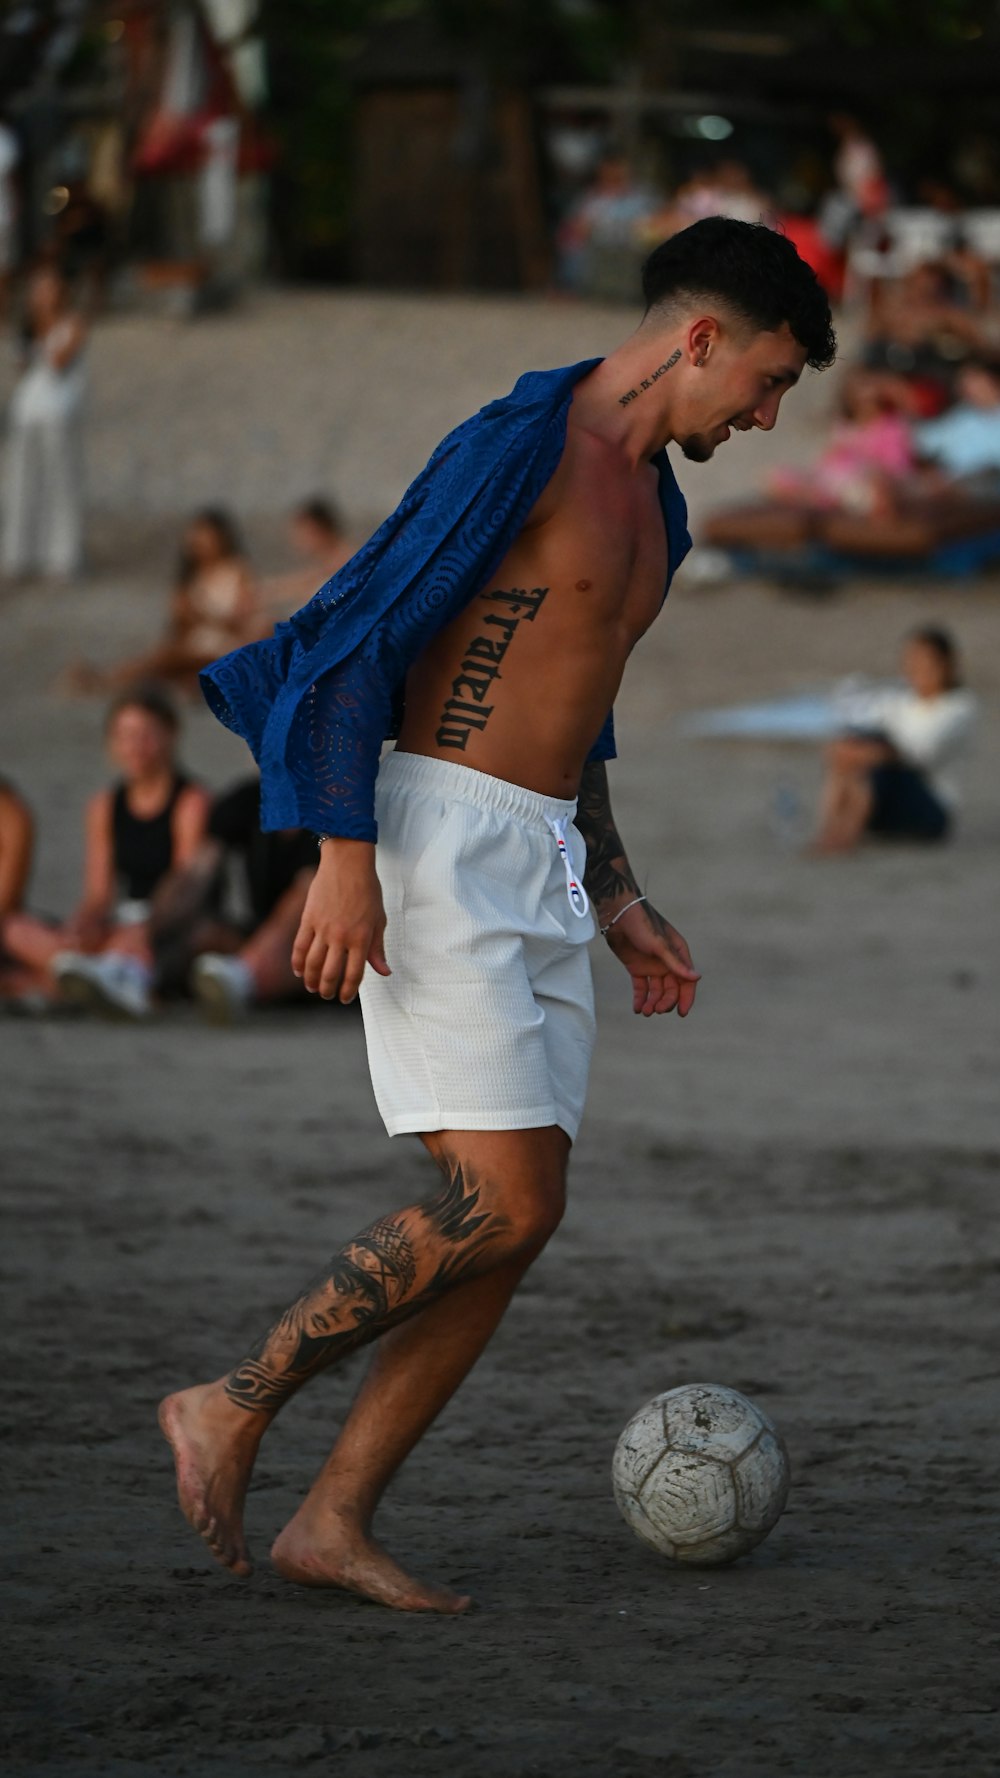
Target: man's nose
[764, 417]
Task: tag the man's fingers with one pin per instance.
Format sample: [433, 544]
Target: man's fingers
[376, 955]
[668, 996]
[648, 989]
[662, 993]
[685, 998]
[324, 964]
[300, 949]
[354, 969]
[677, 963]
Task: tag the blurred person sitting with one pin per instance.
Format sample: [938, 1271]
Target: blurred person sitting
[322, 546]
[728, 189]
[870, 451]
[17, 841]
[871, 446]
[953, 491]
[234, 957]
[694, 199]
[921, 329]
[42, 501]
[602, 230]
[150, 821]
[970, 272]
[738, 194]
[884, 776]
[214, 608]
[964, 442]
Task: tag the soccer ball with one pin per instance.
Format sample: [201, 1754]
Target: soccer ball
[700, 1474]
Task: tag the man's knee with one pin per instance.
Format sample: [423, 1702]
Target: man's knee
[533, 1209]
[518, 1179]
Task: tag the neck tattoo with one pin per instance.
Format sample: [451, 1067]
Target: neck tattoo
[647, 382]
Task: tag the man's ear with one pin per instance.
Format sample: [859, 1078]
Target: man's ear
[702, 339]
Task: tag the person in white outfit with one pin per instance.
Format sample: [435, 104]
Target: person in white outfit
[889, 776]
[42, 506]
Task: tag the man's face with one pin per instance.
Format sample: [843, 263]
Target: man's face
[739, 387]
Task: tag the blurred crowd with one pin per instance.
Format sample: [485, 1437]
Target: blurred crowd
[185, 896]
[182, 893]
[908, 471]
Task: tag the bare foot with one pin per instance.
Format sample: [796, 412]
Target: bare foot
[214, 1445]
[323, 1549]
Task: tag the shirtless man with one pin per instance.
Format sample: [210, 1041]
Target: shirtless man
[465, 929]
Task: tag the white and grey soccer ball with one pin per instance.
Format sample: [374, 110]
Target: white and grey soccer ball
[701, 1474]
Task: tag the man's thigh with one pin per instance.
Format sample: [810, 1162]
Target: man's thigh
[498, 1154]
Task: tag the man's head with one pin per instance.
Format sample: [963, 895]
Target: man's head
[747, 315]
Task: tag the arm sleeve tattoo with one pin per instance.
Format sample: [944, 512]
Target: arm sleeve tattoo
[609, 877]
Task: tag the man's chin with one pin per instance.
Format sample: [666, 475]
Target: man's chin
[697, 448]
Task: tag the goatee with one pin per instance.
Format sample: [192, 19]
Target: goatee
[697, 448]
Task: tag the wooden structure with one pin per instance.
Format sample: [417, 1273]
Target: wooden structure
[447, 180]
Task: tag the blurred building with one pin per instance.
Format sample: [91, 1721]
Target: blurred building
[447, 188]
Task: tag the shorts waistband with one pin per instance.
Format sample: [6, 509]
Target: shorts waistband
[443, 777]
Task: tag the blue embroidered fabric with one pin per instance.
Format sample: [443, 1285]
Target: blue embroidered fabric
[316, 700]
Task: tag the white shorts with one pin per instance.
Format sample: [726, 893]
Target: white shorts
[487, 1020]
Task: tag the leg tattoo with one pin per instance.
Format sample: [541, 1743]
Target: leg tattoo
[386, 1274]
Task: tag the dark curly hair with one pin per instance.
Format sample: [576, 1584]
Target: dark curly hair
[754, 271]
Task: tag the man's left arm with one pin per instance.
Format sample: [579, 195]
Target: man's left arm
[654, 953]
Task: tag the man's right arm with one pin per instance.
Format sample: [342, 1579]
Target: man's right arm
[343, 922]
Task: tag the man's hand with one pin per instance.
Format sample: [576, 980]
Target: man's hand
[343, 922]
[657, 959]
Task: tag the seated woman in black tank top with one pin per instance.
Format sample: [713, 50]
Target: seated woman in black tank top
[146, 824]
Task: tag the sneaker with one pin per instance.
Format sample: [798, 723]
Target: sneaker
[117, 986]
[223, 987]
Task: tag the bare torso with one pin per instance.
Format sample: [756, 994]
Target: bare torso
[519, 684]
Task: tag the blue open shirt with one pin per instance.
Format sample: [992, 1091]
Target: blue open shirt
[316, 701]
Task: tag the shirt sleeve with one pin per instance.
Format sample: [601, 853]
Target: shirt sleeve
[332, 751]
[604, 747]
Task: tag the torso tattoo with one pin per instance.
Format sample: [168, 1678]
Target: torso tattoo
[467, 708]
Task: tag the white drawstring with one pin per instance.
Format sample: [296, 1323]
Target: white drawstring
[574, 888]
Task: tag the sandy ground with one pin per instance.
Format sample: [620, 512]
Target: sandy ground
[794, 1193]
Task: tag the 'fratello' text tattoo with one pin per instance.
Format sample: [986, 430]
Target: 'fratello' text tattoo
[647, 382]
[385, 1275]
[467, 709]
